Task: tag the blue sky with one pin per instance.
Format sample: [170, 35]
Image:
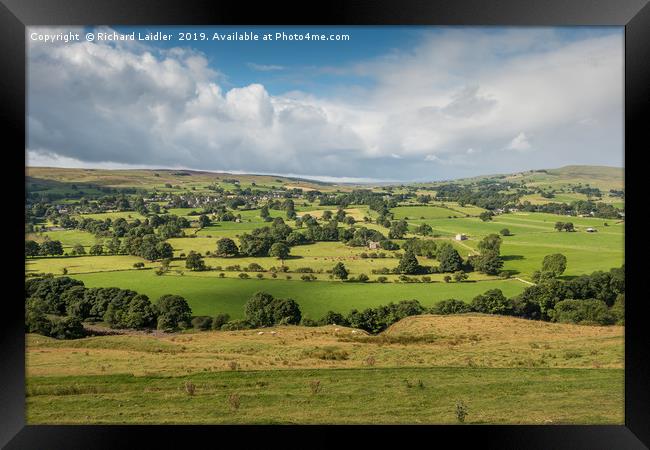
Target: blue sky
[392, 103]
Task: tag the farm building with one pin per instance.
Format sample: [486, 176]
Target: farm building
[373, 245]
[461, 237]
[591, 230]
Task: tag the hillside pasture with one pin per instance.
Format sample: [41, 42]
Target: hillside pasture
[68, 238]
[424, 212]
[85, 264]
[534, 237]
[463, 340]
[129, 216]
[209, 295]
[346, 396]
[506, 370]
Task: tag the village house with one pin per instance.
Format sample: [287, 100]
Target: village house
[373, 245]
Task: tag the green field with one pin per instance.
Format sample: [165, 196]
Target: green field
[68, 238]
[211, 295]
[127, 215]
[425, 212]
[602, 177]
[84, 264]
[534, 237]
[355, 396]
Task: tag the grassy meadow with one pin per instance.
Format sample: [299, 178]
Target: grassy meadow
[356, 396]
[412, 373]
[209, 295]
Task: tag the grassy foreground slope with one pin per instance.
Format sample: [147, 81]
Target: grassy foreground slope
[466, 340]
[359, 396]
[506, 370]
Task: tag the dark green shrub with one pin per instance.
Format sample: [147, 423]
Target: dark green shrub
[173, 312]
[618, 309]
[492, 302]
[67, 328]
[582, 311]
[306, 322]
[263, 310]
[234, 325]
[333, 318]
[219, 320]
[202, 322]
[451, 306]
[35, 319]
[254, 267]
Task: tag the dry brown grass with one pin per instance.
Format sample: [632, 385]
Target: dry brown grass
[471, 340]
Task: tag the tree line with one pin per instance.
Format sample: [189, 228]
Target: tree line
[52, 303]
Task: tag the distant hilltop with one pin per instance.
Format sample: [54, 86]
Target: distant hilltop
[604, 177]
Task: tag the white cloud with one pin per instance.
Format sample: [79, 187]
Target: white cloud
[519, 143]
[455, 92]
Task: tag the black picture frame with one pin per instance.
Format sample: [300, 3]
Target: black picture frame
[634, 15]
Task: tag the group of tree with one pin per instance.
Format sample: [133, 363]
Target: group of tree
[598, 298]
[150, 247]
[599, 209]
[52, 302]
[552, 267]
[448, 257]
[564, 226]
[45, 248]
[372, 320]
[264, 310]
[374, 200]
[489, 260]
[487, 194]
[194, 261]
[602, 286]
[260, 240]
